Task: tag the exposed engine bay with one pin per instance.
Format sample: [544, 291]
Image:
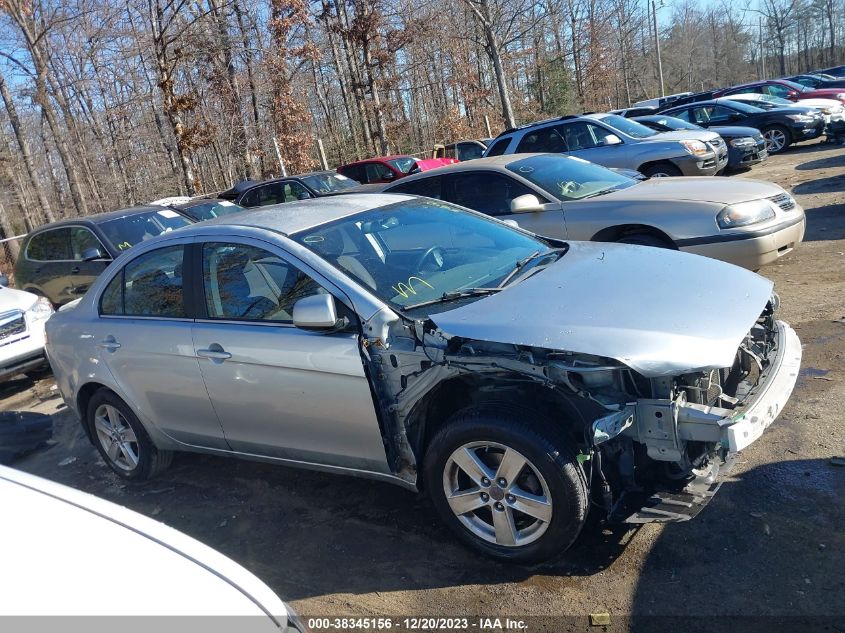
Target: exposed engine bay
[651, 448]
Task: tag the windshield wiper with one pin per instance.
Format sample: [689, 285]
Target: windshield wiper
[522, 263]
[600, 192]
[451, 296]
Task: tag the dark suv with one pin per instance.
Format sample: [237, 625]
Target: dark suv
[780, 127]
[61, 260]
[251, 193]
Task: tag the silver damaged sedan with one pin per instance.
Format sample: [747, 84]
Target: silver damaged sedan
[518, 380]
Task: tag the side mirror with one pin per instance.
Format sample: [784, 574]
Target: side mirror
[91, 254]
[4, 280]
[526, 203]
[303, 195]
[316, 313]
[389, 176]
[612, 139]
[736, 116]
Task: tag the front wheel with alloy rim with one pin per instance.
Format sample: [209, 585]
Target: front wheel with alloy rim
[777, 139]
[506, 484]
[122, 440]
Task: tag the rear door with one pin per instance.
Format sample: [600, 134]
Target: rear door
[280, 391]
[48, 265]
[144, 338]
[590, 142]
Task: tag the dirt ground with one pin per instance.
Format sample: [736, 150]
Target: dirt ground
[771, 544]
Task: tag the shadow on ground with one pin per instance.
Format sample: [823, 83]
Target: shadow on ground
[770, 546]
[825, 223]
[831, 184]
[831, 161]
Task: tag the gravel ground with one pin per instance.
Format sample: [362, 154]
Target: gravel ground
[771, 543]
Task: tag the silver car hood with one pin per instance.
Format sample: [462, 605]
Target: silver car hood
[660, 312]
[698, 188]
[683, 135]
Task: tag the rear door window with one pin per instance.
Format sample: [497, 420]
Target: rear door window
[429, 187]
[152, 284]
[545, 139]
[51, 245]
[499, 147]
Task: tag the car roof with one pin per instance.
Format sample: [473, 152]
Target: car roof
[292, 217]
[497, 163]
[245, 185]
[377, 159]
[195, 202]
[99, 218]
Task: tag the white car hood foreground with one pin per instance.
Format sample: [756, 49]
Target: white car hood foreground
[660, 312]
[68, 553]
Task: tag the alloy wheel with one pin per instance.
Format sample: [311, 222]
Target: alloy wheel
[116, 437]
[497, 494]
[775, 140]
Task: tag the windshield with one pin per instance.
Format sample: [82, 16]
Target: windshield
[795, 86]
[404, 165]
[418, 250]
[329, 183]
[742, 107]
[133, 229]
[629, 127]
[569, 178]
[672, 123]
[212, 209]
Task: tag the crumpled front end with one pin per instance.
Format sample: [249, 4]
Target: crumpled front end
[660, 453]
[651, 444]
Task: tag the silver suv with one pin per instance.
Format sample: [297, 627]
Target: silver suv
[614, 141]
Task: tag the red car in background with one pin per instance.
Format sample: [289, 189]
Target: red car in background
[784, 89]
[390, 168]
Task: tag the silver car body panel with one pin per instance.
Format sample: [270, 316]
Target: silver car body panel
[592, 301]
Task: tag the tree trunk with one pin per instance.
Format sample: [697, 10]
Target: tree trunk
[23, 144]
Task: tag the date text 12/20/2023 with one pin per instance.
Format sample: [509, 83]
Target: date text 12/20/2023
[400, 625]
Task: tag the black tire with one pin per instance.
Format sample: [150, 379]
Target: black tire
[646, 239]
[526, 433]
[151, 460]
[661, 170]
[766, 132]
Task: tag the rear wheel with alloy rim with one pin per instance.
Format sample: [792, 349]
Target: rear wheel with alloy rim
[777, 139]
[506, 486]
[121, 439]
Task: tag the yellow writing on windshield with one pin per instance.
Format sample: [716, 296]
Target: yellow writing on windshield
[406, 290]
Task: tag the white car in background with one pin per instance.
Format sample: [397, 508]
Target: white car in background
[22, 319]
[831, 109]
[50, 532]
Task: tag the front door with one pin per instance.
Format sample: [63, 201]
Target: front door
[84, 273]
[280, 391]
[492, 193]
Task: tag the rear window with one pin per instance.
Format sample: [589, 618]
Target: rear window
[51, 245]
[499, 147]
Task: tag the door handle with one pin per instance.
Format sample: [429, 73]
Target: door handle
[109, 344]
[74, 270]
[214, 354]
